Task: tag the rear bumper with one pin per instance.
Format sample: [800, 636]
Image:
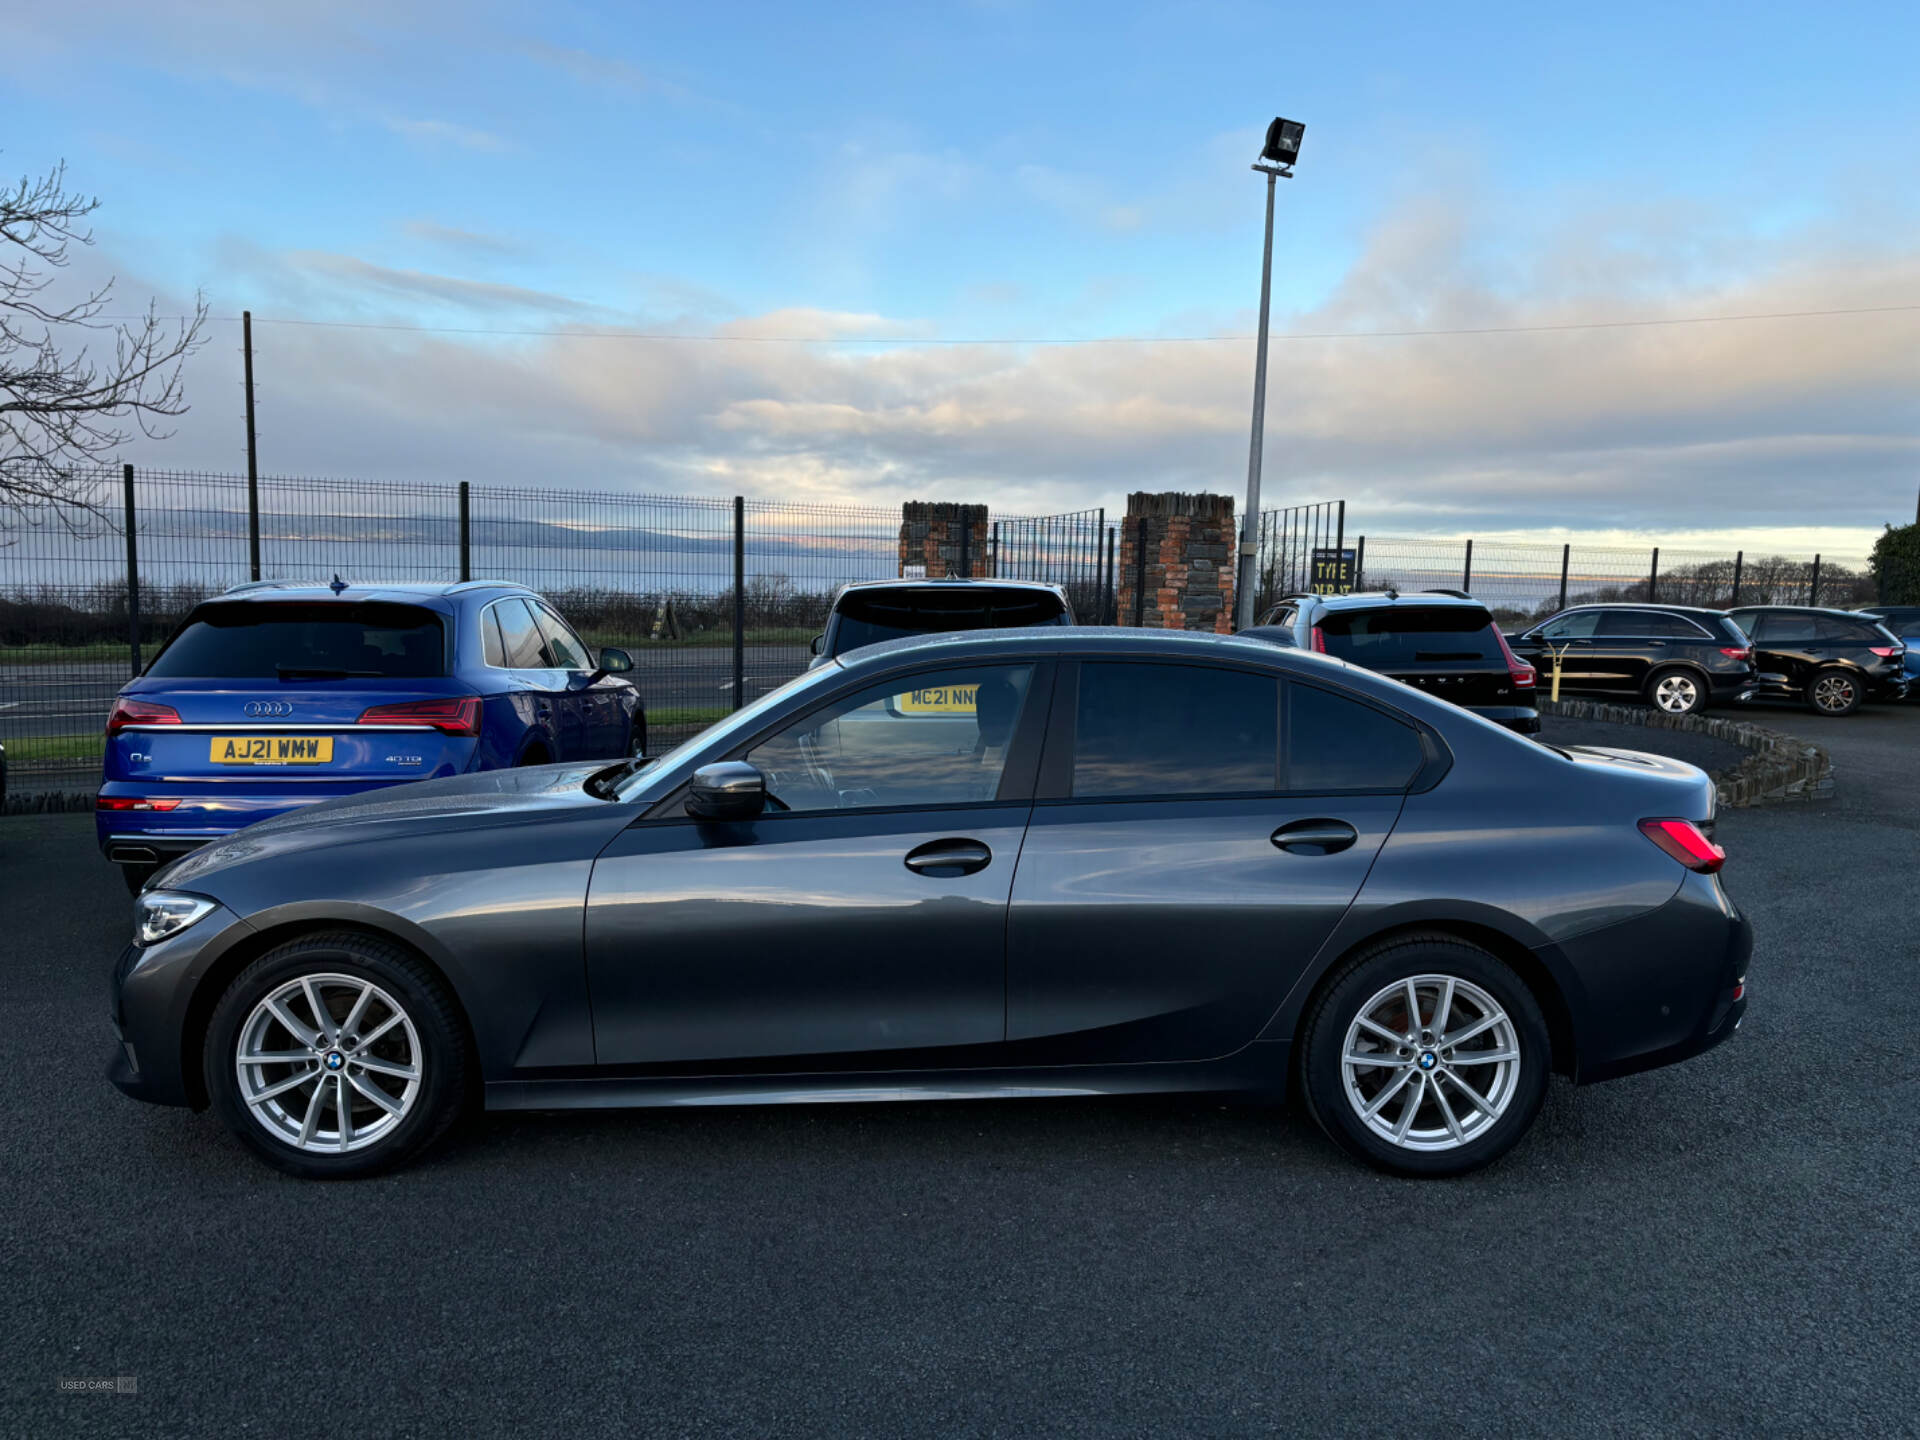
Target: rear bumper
[204, 813]
[1522, 719]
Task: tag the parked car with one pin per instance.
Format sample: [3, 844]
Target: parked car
[1677, 658]
[1833, 660]
[1439, 641]
[1129, 861]
[277, 695]
[1903, 621]
[871, 611]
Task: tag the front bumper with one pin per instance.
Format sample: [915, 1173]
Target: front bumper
[149, 999]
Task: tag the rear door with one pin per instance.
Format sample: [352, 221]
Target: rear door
[273, 693]
[1449, 651]
[1786, 644]
[1182, 867]
[590, 714]
[540, 684]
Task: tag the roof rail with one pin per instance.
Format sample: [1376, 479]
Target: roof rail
[484, 585]
[245, 585]
[1456, 594]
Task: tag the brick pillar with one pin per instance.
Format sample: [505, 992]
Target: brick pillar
[930, 533]
[1189, 562]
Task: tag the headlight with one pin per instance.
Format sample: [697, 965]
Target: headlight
[159, 914]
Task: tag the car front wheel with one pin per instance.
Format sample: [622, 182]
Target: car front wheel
[1426, 1056]
[1676, 692]
[336, 1055]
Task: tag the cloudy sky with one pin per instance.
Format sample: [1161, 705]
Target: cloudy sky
[1010, 252]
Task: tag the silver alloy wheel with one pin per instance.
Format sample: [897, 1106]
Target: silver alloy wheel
[1431, 1063]
[328, 1063]
[1677, 694]
[1833, 692]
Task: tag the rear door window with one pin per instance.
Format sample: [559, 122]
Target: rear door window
[1832, 630]
[1143, 729]
[268, 640]
[869, 617]
[563, 645]
[525, 648]
[1407, 635]
[1784, 628]
[1334, 743]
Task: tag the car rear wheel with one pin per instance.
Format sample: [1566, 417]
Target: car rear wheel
[337, 1055]
[1676, 692]
[1426, 1056]
[1833, 692]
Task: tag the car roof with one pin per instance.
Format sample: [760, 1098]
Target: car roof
[1375, 599]
[398, 591]
[1645, 605]
[951, 582]
[1805, 610]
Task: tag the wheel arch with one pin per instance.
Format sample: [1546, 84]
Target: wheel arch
[1534, 972]
[213, 983]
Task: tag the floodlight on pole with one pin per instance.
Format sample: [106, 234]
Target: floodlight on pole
[1276, 161]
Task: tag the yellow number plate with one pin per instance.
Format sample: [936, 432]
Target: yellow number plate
[271, 750]
[940, 700]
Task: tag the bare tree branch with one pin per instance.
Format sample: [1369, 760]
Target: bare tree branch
[64, 411]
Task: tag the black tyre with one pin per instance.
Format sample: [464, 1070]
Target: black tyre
[1456, 1095]
[1834, 691]
[1677, 690]
[337, 1025]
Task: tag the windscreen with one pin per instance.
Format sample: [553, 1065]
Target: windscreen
[1405, 635]
[869, 618]
[260, 640]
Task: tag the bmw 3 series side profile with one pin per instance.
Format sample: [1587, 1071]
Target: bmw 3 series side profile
[1042, 862]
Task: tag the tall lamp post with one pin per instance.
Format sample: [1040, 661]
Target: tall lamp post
[1276, 163]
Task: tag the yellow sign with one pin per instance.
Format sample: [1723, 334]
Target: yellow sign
[271, 750]
[939, 700]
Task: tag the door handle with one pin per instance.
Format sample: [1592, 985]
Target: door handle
[943, 859]
[1315, 837]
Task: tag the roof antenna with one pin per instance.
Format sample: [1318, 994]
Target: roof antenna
[338, 584]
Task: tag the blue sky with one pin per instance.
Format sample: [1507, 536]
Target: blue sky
[917, 173]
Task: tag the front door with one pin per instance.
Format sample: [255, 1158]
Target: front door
[1194, 866]
[1565, 643]
[860, 922]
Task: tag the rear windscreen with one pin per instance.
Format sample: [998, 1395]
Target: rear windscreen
[893, 615]
[1411, 635]
[260, 640]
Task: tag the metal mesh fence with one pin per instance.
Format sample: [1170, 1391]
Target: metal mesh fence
[656, 575]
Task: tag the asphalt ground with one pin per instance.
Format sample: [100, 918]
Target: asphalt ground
[1727, 1246]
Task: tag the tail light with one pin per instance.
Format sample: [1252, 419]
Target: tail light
[1318, 640]
[133, 802]
[1685, 842]
[1737, 652]
[1887, 652]
[139, 712]
[1523, 674]
[455, 715]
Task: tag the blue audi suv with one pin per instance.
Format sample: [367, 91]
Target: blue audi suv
[277, 695]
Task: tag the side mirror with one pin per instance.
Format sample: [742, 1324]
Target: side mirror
[615, 662]
[730, 790]
[818, 645]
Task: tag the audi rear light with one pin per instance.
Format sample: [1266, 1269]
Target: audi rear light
[139, 712]
[1737, 652]
[133, 802]
[1524, 675]
[1686, 842]
[455, 715]
[1317, 638]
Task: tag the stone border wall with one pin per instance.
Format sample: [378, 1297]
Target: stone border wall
[1779, 768]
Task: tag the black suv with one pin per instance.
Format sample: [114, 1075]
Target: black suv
[1832, 659]
[867, 612]
[1678, 658]
[1441, 642]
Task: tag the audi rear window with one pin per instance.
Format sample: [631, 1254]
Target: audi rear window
[869, 618]
[315, 640]
[1411, 635]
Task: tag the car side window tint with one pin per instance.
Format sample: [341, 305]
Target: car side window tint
[1620, 625]
[937, 738]
[562, 644]
[525, 648]
[496, 648]
[1578, 626]
[1786, 628]
[1334, 743]
[1145, 729]
[1832, 630]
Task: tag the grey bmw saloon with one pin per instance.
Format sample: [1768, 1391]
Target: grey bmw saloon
[1014, 863]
